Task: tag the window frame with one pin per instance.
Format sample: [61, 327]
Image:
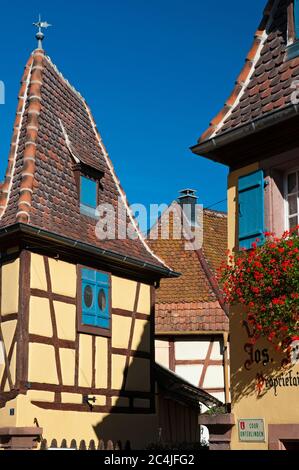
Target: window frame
[286, 195]
[90, 329]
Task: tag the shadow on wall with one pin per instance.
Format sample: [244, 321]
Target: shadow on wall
[133, 417]
[144, 413]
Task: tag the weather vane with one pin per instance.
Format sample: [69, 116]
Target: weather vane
[40, 35]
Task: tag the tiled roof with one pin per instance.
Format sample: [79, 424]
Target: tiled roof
[265, 82]
[54, 129]
[190, 302]
[193, 316]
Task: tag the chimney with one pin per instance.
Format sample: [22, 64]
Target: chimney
[188, 201]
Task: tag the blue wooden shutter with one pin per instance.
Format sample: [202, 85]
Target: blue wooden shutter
[103, 315]
[89, 312]
[296, 18]
[251, 209]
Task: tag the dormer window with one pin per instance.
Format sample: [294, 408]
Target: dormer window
[88, 196]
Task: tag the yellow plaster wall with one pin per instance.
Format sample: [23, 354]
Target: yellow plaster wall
[232, 196]
[63, 277]
[40, 317]
[118, 367]
[101, 362]
[141, 403]
[66, 320]
[71, 398]
[123, 293]
[67, 361]
[5, 419]
[8, 330]
[139, 375]
[85, 360]
[245, 400]
[10, 287]
[142, 336]
[71, 425]
[42, 364]
[120, 401]
[39, 395]
[38, 274]
[280, 409]
[144, 303]
[120, 331]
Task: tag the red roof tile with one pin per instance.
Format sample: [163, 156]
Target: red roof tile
[54, 128]
[191, 302]
[265, 83]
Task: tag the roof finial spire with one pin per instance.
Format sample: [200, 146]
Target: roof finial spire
[40, 35]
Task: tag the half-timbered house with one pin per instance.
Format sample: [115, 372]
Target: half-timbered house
[256, 135]
[77, 312]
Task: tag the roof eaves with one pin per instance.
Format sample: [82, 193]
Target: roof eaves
[102, 253]
[256, 125]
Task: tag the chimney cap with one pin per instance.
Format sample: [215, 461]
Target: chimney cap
[188, 193]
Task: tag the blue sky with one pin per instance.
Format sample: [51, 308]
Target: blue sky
[154, 73]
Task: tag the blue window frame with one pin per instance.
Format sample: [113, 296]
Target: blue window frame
[296, 18]
[95, 298]
[88, 196]
[251, 209]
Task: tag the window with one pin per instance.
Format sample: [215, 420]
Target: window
[95, 299]
[251, 209]
[292, 197]
[88, 196]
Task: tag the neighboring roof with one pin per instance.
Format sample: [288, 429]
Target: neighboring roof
[190, 317]
[192, 302]
[54, 131]
[182, 391]
[264, 85]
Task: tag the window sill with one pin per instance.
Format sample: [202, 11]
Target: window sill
[88, 212]
[94, 330]
[292, 50]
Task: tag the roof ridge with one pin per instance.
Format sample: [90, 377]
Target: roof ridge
[246, 73]
[68, 83]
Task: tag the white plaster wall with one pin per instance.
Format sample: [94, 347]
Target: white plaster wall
[214, 377]
[162, 352]
[217, 351]
[190, 350]
[191, 373]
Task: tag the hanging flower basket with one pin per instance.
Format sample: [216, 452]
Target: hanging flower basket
[265, 279]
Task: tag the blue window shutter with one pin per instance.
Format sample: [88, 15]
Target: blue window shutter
[296, 18]
[251, 209]
[95, 313]
[103, 315]
[88, 281]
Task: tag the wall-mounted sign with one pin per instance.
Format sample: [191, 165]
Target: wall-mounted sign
[251, 430]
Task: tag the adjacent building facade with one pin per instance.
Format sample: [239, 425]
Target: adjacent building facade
[256, 135]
